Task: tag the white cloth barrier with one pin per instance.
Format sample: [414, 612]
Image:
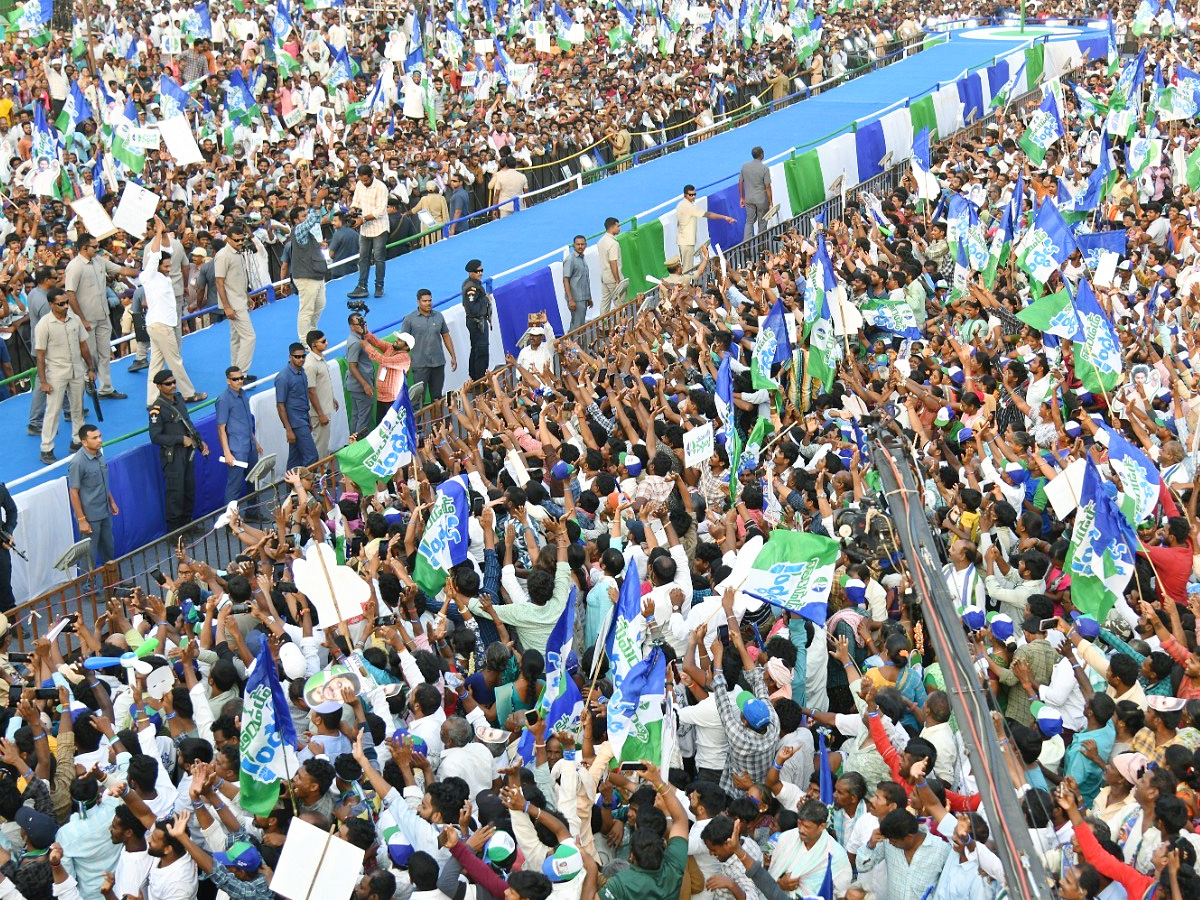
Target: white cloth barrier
[45, 531]
[838, 156]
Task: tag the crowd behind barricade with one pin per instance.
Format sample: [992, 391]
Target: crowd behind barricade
[634, 621]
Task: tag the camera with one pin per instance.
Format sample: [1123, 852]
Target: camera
[15, 657]
[379, 620]
[358, 306]
[239, 609]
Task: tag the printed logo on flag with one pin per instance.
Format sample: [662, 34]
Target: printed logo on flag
[440, 532]
[1041, 253]
[790, 584]
[394, 448]
[1102, 351]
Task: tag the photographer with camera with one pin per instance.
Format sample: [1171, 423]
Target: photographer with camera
[360, 374]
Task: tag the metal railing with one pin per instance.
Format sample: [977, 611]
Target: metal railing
[88, 593]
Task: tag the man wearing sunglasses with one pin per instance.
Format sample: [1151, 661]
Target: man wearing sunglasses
[235, 429]
[63, 361]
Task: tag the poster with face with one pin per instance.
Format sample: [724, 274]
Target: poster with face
[326, 686]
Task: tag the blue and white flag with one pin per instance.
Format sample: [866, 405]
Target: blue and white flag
[623, 644]
[920, 148]
[1099, 339]
[561, 704]
[46, 142]
[1095, 244]
[771, 346]
[202, 27]
[1141, 482]
[341, 71]
[267, 734]
[724, 399]
[1100, 558]
[172, 98]
[281, 25]
[33, 15]
[76, 109]
[444, 544]
[894, 316]
[1047, 244]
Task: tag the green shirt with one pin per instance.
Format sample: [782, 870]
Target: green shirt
[636, 883]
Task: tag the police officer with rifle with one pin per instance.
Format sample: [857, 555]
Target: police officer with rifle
[172, 430]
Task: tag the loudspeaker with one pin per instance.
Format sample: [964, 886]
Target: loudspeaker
[63, 17]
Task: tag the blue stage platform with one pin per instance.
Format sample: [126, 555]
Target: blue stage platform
[508, 245]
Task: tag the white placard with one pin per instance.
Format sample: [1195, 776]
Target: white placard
[541, 43]
[484, 45]
[1106, 269]
[146, 138]
[314, 863]
[136, 208]
[576, 33]
[1064, 489]
[95, 218]
[177, 135]
[470, 79]
[698, 445]
[172, 44]
[294, 116]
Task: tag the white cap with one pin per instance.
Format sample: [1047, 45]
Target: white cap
[292, 661]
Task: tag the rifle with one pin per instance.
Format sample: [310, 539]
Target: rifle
[89, 387]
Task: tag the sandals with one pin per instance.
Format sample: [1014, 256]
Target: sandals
[196, 398]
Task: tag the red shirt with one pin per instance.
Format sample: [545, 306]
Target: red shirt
[1172, 568]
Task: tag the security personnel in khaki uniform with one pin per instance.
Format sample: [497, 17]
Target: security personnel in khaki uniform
[172, 430]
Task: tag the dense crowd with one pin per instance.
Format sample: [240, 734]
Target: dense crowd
[635, 624]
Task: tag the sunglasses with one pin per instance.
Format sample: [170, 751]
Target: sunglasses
[237, 377]
[169, 383]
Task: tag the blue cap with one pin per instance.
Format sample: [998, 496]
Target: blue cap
[1001, 625]
[974, 617]
[239, 855]
[561, 470]
[757, 712]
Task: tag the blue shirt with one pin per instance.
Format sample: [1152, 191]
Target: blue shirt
[233, 411]
[291, 389]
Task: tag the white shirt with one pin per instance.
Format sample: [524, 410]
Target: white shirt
[712, 744]
[160, 298]
[131, 872]
[1064, 694]
[174, 882]
[472, 763]
[429, 729]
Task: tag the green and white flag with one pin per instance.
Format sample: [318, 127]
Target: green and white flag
[1143, 17]
[794, 571]
[1043, 130]
[635, 711]
[1052, 314]
[1143, 153]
